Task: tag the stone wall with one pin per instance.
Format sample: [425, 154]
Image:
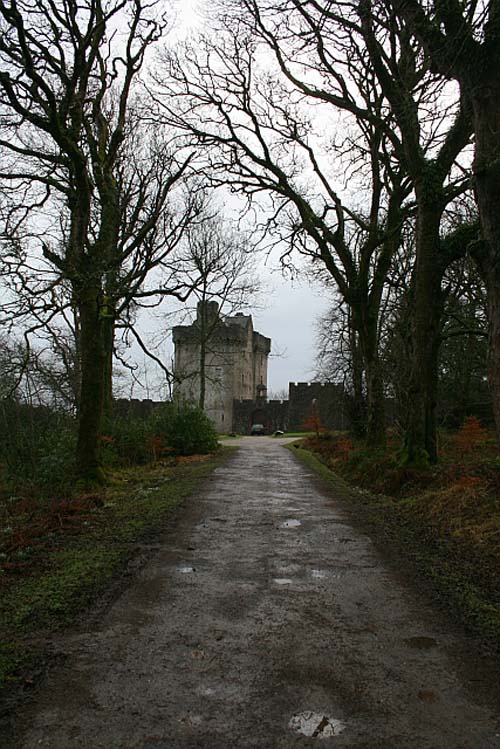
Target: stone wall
[136, 408]
[328, 399]
[273, 414]
[235, 362]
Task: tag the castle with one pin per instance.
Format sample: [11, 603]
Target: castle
[226, 356]
[233, 358]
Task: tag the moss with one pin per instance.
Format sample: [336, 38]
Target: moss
[419, 459]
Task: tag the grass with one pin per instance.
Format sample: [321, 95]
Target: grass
[56, 557]
[445, 521]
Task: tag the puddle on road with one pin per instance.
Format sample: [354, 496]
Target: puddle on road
[316, 725]
[283, 580]
[290, 524]
[185, 570]
[334, 574]
[319, 574]
[285, 570]
[421, 643]
[207, 691]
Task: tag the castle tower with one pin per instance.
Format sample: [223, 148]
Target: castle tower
[234, 364]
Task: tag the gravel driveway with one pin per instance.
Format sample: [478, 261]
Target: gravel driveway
[266, 619]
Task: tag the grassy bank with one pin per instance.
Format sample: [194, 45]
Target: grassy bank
[56, 556]
[445, 521]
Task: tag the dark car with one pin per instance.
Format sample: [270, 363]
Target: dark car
[257, 429]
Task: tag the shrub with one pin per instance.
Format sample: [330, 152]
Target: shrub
[55, 464]
[471, 434]
[313, 422]
[191, 432]
[36, 444]
[126, 439]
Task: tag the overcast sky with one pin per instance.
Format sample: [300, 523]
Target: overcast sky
[289, 320]
[289, 311]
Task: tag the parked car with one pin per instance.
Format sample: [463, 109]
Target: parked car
[257, 429]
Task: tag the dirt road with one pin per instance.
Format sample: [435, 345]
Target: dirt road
[266, 619]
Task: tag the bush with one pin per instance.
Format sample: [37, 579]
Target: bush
[168, 430]
[55, 465]
[191, 432]
[36, 444]
[126, 439]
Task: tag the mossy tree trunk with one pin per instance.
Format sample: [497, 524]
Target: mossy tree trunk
[108, 323]
[93, 360]
[367, 327]
[421, 437]
[357, 406]
[202, 323]
[486, 111]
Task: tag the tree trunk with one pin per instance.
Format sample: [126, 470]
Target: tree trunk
[357, 406]
[375, 404]
[486, 109]
[93, 357]
[421, 438]
[201, 401]
[108, 324]
[203, 355]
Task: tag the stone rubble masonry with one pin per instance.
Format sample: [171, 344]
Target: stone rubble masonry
[235, 363]
[328, 400]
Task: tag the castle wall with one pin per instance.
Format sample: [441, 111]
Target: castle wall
[219, 376]
[272, 414]
[133, 407]
[235, 363]
[327, 398]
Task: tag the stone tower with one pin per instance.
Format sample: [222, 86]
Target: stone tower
[235, 362]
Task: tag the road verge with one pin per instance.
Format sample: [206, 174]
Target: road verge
[461, 574]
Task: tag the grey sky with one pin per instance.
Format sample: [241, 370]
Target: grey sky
[289, 320]
[290, 309]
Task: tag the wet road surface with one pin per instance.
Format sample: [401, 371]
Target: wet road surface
[266, 619]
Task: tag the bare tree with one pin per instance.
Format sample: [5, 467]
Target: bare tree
[66, 82]
[426, 143]
[219, 264]
[339, 359]
[401, 69]
[463, 41]
[260, 139]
